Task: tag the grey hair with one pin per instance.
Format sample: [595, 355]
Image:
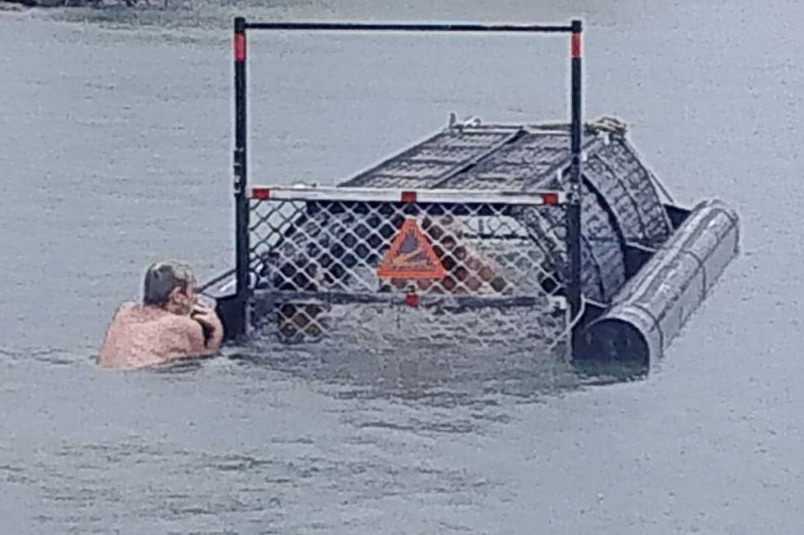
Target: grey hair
[162, 277]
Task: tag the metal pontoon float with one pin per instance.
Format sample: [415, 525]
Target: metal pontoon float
[550, 235]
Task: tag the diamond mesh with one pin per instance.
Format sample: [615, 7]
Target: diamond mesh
[324, 273]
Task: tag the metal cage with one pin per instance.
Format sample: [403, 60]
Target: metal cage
[328, 247]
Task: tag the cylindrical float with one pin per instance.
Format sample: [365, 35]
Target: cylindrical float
[652, 307]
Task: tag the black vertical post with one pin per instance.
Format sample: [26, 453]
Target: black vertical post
[240, 179]
[574, 229]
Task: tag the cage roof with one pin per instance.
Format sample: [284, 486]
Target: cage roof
[621, 204]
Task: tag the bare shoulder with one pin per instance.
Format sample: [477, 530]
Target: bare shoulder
[176, 322]
[185, 327]
[126, 308]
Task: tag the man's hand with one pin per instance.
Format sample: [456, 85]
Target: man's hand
[213, 328]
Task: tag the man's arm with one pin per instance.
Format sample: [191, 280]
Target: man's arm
[189, 339]
[193, 335]
[187, 333]
[212, 328]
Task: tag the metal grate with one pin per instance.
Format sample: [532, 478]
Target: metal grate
[621, 205]
[386, 273]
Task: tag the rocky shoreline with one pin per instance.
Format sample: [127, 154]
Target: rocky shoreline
[19, 4]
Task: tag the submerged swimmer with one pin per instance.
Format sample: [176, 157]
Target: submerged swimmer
[169, 324]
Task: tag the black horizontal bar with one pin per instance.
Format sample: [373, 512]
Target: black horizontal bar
[399, 27]
[393, 298]
[209, 284]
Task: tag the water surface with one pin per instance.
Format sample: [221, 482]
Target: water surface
[116, 151]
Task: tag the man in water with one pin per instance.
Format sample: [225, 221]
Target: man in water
[169, 324]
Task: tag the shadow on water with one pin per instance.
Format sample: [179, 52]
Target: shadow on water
[601, 373]
[182, 366]
[449, 376]
[446, 377]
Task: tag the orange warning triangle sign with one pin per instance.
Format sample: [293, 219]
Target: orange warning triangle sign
[411, 256]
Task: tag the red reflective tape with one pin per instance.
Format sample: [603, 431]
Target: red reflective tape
[261, 193]
[240, 47]
[550, 198]
[411, 300]
[408, 196]
[576, 45]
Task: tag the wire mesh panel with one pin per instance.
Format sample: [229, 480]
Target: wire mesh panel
[382, 269]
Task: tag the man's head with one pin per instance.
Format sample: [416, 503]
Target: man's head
[170, 285]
